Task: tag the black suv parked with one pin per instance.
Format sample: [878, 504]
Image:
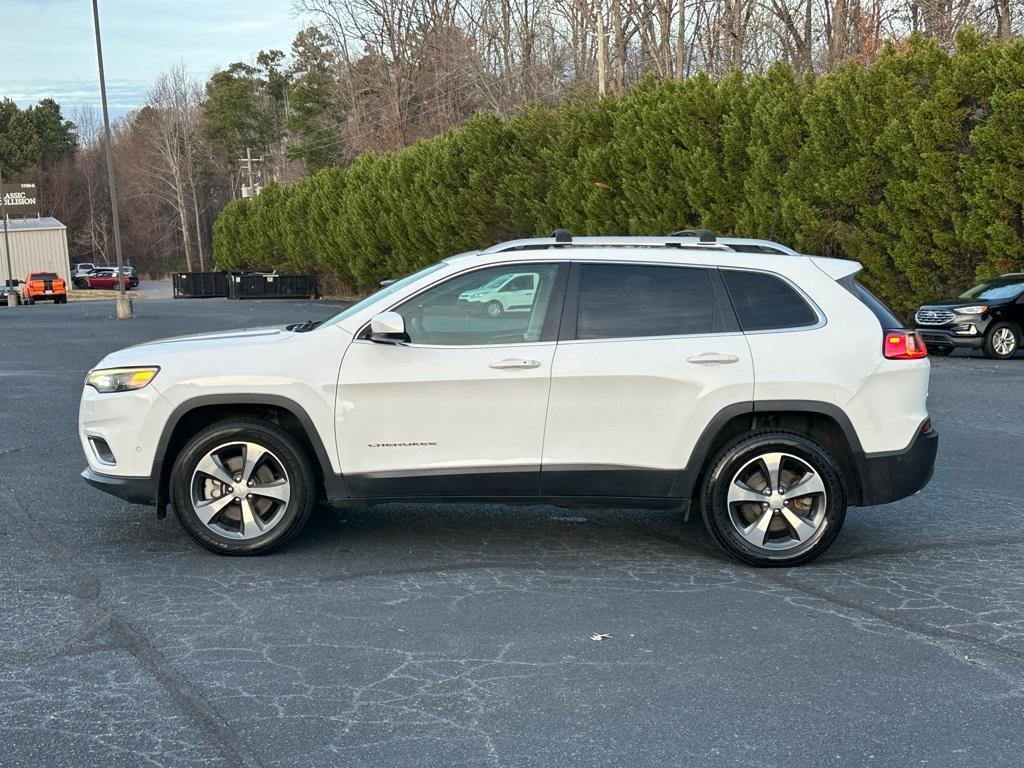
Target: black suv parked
[989, 315]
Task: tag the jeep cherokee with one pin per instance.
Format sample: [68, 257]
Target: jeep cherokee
[767, 388]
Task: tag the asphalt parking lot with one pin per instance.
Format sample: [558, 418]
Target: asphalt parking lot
[422, 635]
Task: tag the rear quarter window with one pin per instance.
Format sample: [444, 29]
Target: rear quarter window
[766, 302]
[886, 317]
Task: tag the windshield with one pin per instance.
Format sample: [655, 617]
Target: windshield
[1002, 288]
[383, 292]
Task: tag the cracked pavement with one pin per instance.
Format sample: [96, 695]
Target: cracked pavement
[427, 635]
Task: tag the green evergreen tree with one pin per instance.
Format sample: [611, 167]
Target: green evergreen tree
[913, 166]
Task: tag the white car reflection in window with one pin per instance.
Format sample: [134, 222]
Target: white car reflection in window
[510, 292]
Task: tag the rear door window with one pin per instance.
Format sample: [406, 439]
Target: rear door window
[766, 302]
[639, 300]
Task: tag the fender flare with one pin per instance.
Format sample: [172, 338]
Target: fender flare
[686, 481]
[333, 483]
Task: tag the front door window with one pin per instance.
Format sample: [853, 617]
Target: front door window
[497, 305]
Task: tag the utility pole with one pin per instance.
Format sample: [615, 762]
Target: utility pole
[601, 51]
[124, 304]
[12, 301]
[250, 189]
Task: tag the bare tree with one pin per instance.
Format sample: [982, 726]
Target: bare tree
[172, 129]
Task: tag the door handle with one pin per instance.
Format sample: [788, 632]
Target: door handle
[514, 362]
[710, 358]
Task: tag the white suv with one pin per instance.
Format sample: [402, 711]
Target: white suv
[768, 387]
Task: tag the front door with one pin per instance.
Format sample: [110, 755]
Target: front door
[459, 410]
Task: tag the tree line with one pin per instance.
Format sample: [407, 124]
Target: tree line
[911, 165]
[374, 76]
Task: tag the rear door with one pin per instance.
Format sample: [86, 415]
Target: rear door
[649, 354]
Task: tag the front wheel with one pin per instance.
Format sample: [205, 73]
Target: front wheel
[1002, 341]
[243, 487]
[493, 309]
[774, 499]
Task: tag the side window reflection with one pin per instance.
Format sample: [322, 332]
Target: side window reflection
[499, 305]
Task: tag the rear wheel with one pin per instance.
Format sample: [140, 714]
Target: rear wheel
[774, 499]
[1002, 341]
[242, 487]
[31, 300]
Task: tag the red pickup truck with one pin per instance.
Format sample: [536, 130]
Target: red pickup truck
[44, 286]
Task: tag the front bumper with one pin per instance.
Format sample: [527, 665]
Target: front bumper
[137, 490]
[941, 337]
[892, 476]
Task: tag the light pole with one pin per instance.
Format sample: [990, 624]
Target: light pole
[11, 298]
[124, 304]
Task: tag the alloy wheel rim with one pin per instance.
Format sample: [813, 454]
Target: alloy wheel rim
[1004, 341]
[778, 502]
[493, 309]
[240, 490]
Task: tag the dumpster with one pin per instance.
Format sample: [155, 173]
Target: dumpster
[200, 285]
[272, 286]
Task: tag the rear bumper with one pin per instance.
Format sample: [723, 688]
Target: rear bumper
[889, 477]
[942, 338]
[137, 490]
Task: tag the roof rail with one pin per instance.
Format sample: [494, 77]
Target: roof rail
[702, 235]
[562, 241]
[686, 238]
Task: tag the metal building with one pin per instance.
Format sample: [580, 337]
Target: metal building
[37, 245]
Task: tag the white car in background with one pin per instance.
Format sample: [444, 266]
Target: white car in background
[511, 292]
[766, 389]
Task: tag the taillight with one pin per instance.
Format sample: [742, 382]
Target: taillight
[904, 345]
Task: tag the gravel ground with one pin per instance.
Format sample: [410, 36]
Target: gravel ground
[427, 635]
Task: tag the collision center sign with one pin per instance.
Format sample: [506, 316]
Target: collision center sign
[20, 198]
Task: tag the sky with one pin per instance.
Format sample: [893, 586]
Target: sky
[47, 47]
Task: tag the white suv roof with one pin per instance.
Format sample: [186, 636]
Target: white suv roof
[729, 251]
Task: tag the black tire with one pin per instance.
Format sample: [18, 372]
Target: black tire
[80, 282]
[31, 301]
[940, 351]
[742, 453]
[996, 340]
[283, 447]
[493, 309]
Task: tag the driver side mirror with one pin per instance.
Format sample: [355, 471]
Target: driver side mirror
[388, 328]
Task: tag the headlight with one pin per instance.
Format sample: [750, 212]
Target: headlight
[975, 310]
[120, 379]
